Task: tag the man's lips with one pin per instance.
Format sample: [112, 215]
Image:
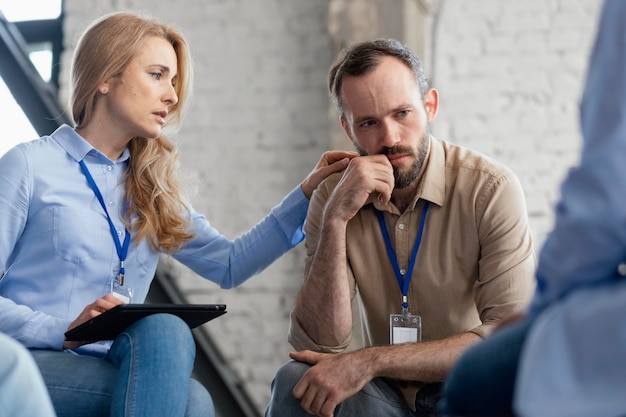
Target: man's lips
[397, 159]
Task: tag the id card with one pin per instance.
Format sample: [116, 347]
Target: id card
[404, 329]
[123, 292]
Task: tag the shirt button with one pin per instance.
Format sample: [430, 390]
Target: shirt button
[621, 269]
[109, 167]
[402, 271]
[111, 203]
[401, 226]
[119, 233]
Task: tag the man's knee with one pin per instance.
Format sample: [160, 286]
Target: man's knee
[282, 401]
[288, 375]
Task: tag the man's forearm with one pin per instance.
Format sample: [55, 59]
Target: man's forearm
[323, 306]
[425, 361]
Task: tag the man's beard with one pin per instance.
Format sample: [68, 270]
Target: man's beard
[404, 177]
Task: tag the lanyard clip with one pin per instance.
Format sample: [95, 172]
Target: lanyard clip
[120, 277]
[405, 306]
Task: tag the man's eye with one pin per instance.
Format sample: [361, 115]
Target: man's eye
[367, 123]
[402, 113]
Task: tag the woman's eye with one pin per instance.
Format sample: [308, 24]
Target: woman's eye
[156, 75]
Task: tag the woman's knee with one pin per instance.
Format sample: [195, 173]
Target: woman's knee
[162, 336]
[200, 403]
[166, 328]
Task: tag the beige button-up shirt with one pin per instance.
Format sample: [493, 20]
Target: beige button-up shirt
[475, 264]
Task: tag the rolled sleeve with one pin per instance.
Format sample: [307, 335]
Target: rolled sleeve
[300, 340]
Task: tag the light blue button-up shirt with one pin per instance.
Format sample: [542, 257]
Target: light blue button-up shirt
[574, 359]
[56, 248]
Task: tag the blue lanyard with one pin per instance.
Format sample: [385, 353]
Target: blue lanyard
[403, 282]
[122, 250]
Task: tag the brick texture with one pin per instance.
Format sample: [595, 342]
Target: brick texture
[510, 76]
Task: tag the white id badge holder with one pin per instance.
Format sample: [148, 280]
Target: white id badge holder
[123, 292]
[404, 328]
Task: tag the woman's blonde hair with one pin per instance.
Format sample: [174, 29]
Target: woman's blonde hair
[153, 191]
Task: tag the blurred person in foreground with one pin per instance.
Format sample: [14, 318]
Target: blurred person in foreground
[22, 390]
[566, 356]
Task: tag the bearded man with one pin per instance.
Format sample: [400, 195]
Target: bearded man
[431, 238]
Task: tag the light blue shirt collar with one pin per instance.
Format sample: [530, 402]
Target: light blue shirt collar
[77, 147]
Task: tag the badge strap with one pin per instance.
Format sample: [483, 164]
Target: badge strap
[403, 281]
[122, 249]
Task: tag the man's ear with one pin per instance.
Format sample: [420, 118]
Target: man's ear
[431, 104]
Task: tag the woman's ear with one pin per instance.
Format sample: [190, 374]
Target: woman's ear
[104, 87]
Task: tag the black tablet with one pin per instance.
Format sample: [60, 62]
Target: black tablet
[109, 324]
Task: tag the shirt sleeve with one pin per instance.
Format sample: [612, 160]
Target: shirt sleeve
[300, 340]
[31, 328]
[230, 263]
[507, 261]
[14, 201]
[588, 241]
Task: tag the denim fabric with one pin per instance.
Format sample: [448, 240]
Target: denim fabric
[482, 382]
[147, 372]
[377, 398]
[22, 391]
[427, 400]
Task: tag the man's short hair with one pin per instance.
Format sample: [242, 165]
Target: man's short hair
[364, 57]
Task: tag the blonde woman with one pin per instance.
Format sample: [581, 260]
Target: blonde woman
[86, 211]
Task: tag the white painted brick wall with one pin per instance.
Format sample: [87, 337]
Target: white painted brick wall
[510, 76]
[509, 73]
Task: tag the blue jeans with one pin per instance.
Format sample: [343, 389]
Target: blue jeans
[377, 398]
[147, 372]
[482, 382]
[22, 391]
